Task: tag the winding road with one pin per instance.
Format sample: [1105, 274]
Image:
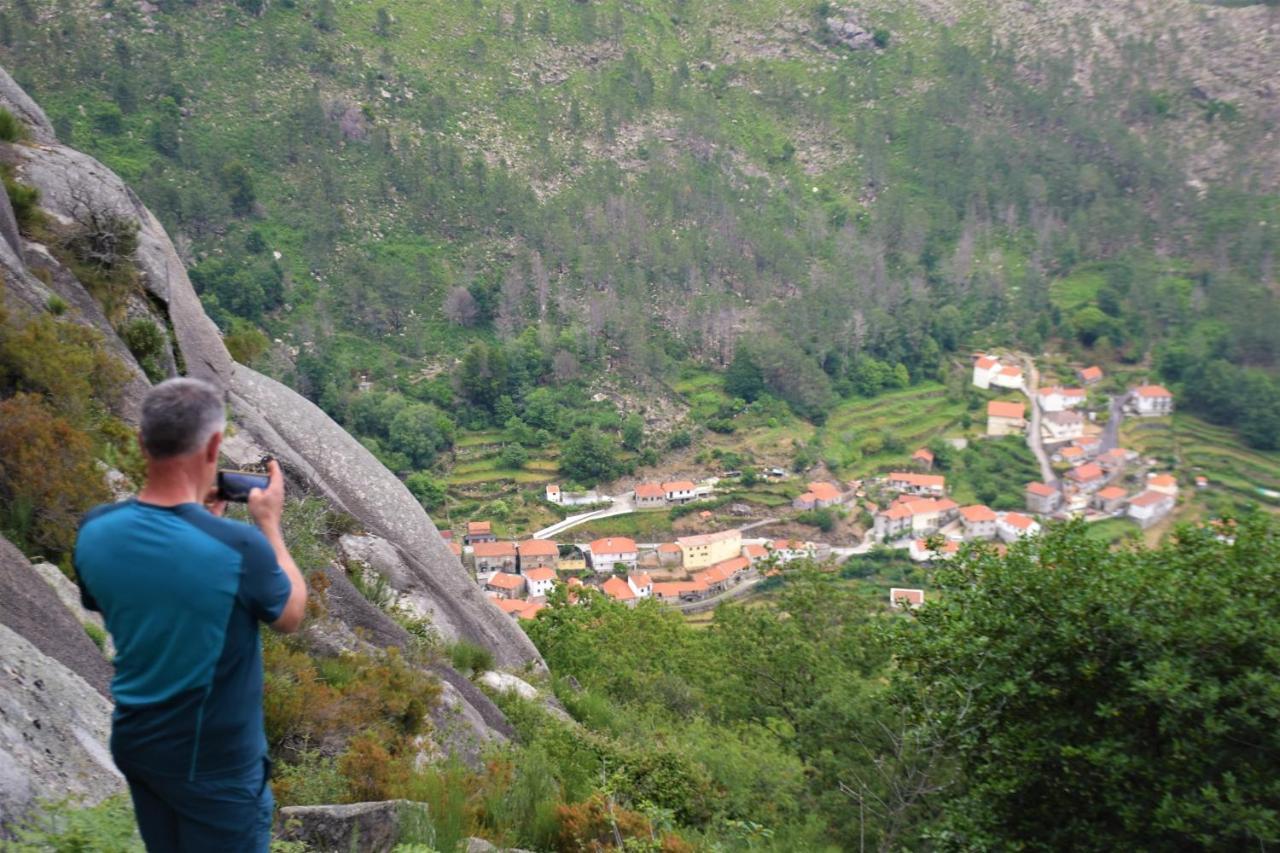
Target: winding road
[1033, 431]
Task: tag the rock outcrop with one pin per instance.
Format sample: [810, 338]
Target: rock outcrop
[53, 731]
[368, 827]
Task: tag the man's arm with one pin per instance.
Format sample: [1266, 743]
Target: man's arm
[267, 508]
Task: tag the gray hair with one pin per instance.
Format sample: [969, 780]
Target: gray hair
[179, 416]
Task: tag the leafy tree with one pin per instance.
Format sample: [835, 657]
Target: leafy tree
[1101, 700]
[633, 432]
[420, 431]
[429, 491]
[590, 456]
[743, 378]
[513, 456]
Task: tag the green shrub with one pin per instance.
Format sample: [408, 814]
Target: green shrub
[11, 130]
[65, 827]
[471, 658]
[57, 305]
[246, 342]
[147, 342]
[23, 198]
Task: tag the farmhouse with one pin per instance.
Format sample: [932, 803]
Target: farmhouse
[1058, 399]
[917, 484]
[479, 531]
[619, 590]
[979, 522]
[914, 517]
[723, 575]
[1005, 418]
[674, 592]
[1152, 400]
[493, 557]
[613, 553]
[1165, 484]
[901, 598]
[1115, 458]
[1062, 426]
[1149, 507]
[539, 581]
[923, 458]
[1110, 499]
[650, 496]
[1042, 498]
[708, 549]
[1088, 477]
[1010, 376]
[641, 584]
[819, 496]
[679, 491]
[984, 368]
[1089, 375]
[537, 553]
[1014, 525]
[505, 585]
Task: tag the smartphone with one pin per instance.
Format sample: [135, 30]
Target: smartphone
[236, 485]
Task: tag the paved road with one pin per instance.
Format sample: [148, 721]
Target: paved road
[1033, 433]
[620, 506]
[1111, 432]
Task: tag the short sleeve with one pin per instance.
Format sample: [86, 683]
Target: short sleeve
[264, 587]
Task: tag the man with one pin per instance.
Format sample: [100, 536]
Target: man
[182, 591]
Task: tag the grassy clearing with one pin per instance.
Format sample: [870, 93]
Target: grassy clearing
[641, 526]
[865, 436]
[1076, 290]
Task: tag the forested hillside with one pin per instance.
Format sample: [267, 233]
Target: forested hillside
[847, 193]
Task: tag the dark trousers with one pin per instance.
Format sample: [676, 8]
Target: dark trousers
[229, 814]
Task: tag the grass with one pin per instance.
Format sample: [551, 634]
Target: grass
[641, 526]
[1113, 530]
[853, 435]
[1076, 290]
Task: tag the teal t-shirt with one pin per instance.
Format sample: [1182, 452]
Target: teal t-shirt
[182, 592]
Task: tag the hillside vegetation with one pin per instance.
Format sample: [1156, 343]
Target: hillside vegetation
[464, 202]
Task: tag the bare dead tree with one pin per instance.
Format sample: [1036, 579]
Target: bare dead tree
[460, 307]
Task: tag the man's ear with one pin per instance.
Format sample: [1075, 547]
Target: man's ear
[211, 449]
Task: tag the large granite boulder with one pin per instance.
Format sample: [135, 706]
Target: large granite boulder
[368, 827]
[18, 102]
[305, 439]
[31, 607]
[53, 732]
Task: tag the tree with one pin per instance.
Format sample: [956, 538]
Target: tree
[743, 378]
[633, 432]
[590, 456]
[429, 491]
[460, 307]
[420, 431]
[238, 182]
[513, 456]
[1101, 700]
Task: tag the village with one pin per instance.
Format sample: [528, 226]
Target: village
[1073, 435]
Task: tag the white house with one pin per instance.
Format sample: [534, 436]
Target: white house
[1013, 526]
[900, 598]
[984, 368]
[612, 553]
[553, 492]
[1042, 498]
[650, 496]
[911, 483]
[1062, 426]
[1088, 477]
[979, 522]
[1152, 400]
[539, 581]
[1165, 484]
[679, 491]
[1058, 399]
[1149, 507]
[914, 517]
[641, 584]
[1009, 376]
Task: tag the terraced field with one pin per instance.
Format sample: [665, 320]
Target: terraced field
[854, 436]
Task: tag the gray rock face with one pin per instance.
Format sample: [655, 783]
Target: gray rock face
[72, 185]
[53, 732]
[503, 682]
[367, 827]
[9, 224]
[69, 594]
[18, 102]
[307, 440]
[850, 33]
[30, 607]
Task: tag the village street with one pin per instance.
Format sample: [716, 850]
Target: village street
[1034, 440]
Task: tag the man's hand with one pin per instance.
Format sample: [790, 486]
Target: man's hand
[213, 503]
[267, 505]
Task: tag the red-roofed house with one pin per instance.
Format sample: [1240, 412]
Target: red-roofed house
[1061, 426]
[901, 598]
[1042, 498]
[917, 484]
[455, 548]
[979, 522]
[755, 553]
[677, 591]
[1014, 525]
[920, 517]
[553, 492]
[1055, 398]
[984, 368]
[530, 610]
[641, 584]
[1151, 400]
[1090, 445]
[1006, 418]
[479, 531]
[540, 581]
[613, 553]
[1165, 484]
[669, 554]
[505, 585]
[1110, 499]
[819, 496]
[725, 574]
[1009, 376]
[920, 551]
[535, 553]
[1115, 458]
[619, 590]
[1088, 477]
[650, 496]
[1090, 375]
[510, 606]
[1071, 455]
[679, 491]
[494, 557]
[924, 458]
[1149, 507]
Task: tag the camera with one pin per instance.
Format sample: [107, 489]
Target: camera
[236, 485]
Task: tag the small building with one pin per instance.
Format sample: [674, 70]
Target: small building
[613, 553]
[679, 491]
[553, 492]
[1165, 484]
[1088, 477]
[906, 598]
[1109, 500]
[1071, 455]
[1009, 376]
[537, 553]
[921, 517]
[505, 585]
[755, 552]
[724, 575]
[1089, 375]
[1202, 482]
[676, 592]
[539, 581]
[984, 369]
[619, 590]
[641, 584]
[819, 496]
[920, 552]
[1151, 401]
[1005, 417]
[979, 522]
[707, 549]
[1013, 526]
[650, 496]
[908, 482]
[1062, 426]
[479, 531]
[1115, 459]
[493, 557]
[1149, 507]
[1055, 398]
[1042, 498]
[923, 458]
[1090, 445]
[669, 554]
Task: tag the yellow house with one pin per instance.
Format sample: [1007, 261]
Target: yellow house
[710, 548]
